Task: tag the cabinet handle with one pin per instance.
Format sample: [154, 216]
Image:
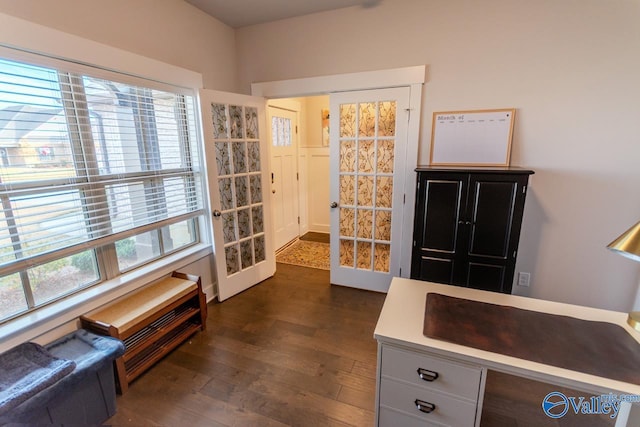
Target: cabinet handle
[427, 375]
[425, 407]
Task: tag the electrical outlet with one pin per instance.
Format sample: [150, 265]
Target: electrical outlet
[523, 279]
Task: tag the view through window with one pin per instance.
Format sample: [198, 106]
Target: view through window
[97, 177]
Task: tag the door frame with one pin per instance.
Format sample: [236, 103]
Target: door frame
[414, 77]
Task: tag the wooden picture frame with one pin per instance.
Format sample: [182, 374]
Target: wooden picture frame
[472, 137]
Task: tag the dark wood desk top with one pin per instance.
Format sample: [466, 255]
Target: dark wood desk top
[598, 348]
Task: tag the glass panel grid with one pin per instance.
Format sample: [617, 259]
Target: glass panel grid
[240, 186]
[366, 167]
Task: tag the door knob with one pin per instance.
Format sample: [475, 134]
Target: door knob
[333, 205]
[217, 213]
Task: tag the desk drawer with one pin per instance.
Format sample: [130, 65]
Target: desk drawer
[392, 418]
[447, 410]
[454, 378]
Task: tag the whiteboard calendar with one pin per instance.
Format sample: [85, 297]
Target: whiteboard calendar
[480, 137]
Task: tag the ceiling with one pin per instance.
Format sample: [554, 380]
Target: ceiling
[241, 13]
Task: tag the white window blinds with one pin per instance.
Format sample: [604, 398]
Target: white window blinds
[86, 162]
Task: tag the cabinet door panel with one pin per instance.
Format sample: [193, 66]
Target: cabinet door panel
[442, 212]
[436, 270]
[486, 277]
[492, 216]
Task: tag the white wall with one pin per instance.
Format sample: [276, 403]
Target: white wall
[570, 69]
[568, 66]
[317, 160]
[170, 31]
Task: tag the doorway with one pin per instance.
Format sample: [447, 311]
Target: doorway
[402, 180]
[284, 173]
[308, 246]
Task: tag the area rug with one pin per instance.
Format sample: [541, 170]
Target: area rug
[306, 254]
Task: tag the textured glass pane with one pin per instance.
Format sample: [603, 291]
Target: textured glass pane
[231, 253]
[239, 157]
[381, 257]
[346, 253]
[347, 222]
[387, 120]
[347, 156]
[235, 115]
[244, 223]
[60, 277]
[258, 222]
[367, 124]
[275, 124]
[12, 300]
[226, 195]
[366, 156]
[229, 227]
[242, 196]
[286, 132]
[383, 225]
[385, 156]
[223, 159]
[347, 120]
[364, 255]
[365, 223]
[281, 133]
[219, 120]
[256, 188]
[251, 115]
[365, 190]
[384, 193]
[246, 254]
[258, 245]
[254, 156]
[347, 189]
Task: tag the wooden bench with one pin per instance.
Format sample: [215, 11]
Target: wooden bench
[151, 322]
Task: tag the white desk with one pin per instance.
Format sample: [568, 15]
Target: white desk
[400, 333]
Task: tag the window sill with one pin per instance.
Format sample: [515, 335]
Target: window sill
[41, 321]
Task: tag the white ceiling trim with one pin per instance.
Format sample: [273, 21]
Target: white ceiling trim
[321, 85]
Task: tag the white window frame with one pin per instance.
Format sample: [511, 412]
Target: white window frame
[20, 39]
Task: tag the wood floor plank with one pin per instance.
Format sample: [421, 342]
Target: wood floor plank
[360, 398]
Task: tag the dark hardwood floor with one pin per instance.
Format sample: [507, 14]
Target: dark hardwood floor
[292, 350]
[296, 351]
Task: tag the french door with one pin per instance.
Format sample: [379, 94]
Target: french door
[368, 152]
[237, 160]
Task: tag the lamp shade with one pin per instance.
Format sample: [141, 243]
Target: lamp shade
[628, 244]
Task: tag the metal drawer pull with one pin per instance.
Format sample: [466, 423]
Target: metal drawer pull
[427, 375]
[425, 407]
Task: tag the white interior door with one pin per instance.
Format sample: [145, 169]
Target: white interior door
[284, 174]
[367, 159]
[238, 175]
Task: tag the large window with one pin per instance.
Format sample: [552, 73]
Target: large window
[97, 177]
